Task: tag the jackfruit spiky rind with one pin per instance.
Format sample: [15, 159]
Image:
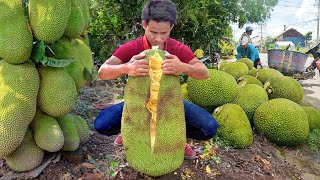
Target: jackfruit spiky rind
[15, 36]
[57, 93]
[78, 50]
[47, 132]
[247, 61]
[236, 69]
[284, 87]
[219, 89]
[313, 117]
[247, 101]
[19, 85]
[247, 79]
[82, 127]
[76, 22]
[230, 116]
[168, 153]
[70, 132]
[282, 122]
[264, 74]
[49, 19]
[27, 156]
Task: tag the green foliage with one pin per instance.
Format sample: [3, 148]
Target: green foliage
[226, 48]
[313, 140]
[201, 23]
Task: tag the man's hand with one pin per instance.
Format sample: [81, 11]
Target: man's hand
[138, 66]
[172, 65]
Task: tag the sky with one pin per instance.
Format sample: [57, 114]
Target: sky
[298, 14]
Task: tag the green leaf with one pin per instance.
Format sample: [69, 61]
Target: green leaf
[52, 62]
[87, 74]
[114, 164]
[38, 52]
[113, 173]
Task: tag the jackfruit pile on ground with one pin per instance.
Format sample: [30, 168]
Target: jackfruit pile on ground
[264, 99]
[39, 87]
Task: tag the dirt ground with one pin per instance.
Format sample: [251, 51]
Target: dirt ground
[99, 159]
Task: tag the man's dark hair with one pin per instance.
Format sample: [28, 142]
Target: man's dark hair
[160, 11]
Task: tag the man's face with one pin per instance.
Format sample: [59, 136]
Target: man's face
[249, 33]
[244, 46]
[157, 33]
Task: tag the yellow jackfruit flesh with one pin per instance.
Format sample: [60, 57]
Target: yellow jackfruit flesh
[27, 156]
[15, 36]
[19, 85]
[47, 132]
[49, 19]
[154, 141]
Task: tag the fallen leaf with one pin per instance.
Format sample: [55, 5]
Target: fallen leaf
[208, 169]
[88, 165]
[265, 164]
[91, 176]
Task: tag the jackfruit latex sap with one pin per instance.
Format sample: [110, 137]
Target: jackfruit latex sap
[154, 142]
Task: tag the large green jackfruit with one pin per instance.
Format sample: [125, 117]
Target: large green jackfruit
[19, 85]
[219, 89]
[284, 87]
[80, 70]
[248, 62]
[234, 125]
[236, 69]
[247, 79]
[282, 121]
[70, 132]
[57, 93]
[27, 156]
[313, 117]
[15, 36]
[49, 19]
[47, 132]
[86, 13]
[264, 74]
[154, 142]
[82, 128]
[250, 97]
[76, 22]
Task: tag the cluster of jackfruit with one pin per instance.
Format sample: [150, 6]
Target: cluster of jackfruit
[261, 99]
[36, 99]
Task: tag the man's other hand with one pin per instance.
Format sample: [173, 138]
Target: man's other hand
[138, 66]
[172, 65]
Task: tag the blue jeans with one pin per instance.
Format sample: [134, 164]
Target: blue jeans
[200, 124]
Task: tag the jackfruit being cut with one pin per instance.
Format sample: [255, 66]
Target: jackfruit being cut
[153, 122]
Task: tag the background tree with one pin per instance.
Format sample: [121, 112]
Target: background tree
[308, 38]
[201, 23]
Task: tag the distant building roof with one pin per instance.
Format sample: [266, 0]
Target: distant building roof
[291, 33]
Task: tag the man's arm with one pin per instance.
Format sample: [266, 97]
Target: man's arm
[114, 68]
[195, 68]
